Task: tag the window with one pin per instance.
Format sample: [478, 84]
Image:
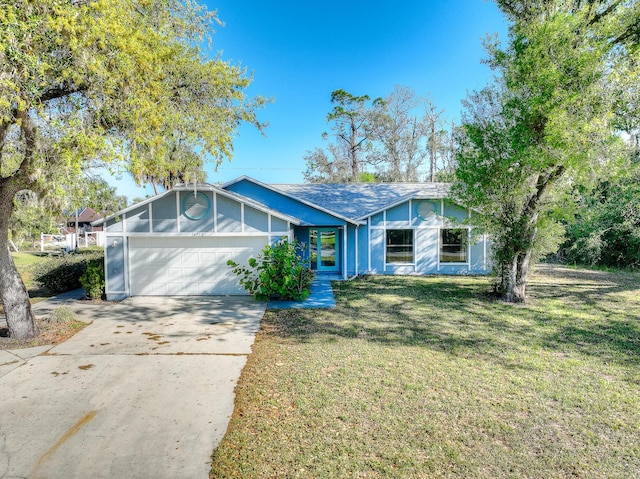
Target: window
[399, 246]
[453, 245]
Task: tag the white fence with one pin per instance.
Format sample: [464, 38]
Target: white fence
[68, 241]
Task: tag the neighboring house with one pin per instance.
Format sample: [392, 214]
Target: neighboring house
[86, 216]
[178, 243]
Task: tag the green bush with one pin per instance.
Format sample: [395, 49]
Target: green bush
[62, 273]
[92, 280]
[279, 272]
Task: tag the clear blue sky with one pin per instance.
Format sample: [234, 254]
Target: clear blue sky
[299, 51]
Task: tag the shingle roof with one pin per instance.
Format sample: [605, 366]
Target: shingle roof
[359, 200]
[86, 215]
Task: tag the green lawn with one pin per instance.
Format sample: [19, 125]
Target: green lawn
[429, 377]
[24, 262]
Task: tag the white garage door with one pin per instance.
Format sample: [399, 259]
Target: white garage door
[188, 266]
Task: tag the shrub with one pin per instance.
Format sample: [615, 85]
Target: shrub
[62, 273]
[62, 314]
[279, 272]
[92, 280]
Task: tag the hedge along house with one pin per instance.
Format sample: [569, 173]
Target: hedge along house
[178, 243]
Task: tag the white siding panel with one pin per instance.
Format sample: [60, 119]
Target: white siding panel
[189, 266]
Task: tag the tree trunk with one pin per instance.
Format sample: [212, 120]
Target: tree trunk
[76, 237]
[510, 293]
[15, 299]
[516, 281]
[353, 151]
[523, 276]
[515, 291]
[432, 152]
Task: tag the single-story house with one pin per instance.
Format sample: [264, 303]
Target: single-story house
[178, 242]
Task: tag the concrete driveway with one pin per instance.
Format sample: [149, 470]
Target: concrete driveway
[145, 391]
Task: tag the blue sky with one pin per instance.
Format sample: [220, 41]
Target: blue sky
[298, 52]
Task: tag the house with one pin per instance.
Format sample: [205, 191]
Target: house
[178, 243]
[86, 216]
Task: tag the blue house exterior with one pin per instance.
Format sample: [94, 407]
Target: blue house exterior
[379, 228]
[177, 243]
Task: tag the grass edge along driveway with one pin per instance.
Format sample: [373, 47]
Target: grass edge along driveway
[429, 377]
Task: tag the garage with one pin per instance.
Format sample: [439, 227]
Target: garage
[178, 242]
[189, 266]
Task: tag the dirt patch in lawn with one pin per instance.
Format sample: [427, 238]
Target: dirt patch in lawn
[50, 333]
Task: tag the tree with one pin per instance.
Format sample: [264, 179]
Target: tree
[386, 140]
[545, 120]
[345, 159]
[350, 127]
[399, 135]
[440, 143]
[606, 227]
[327, 166]
[31, 217]
[182, 165]
[111, 82]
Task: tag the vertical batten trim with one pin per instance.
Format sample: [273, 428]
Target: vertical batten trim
[178, 211]
[369, 244]
[356, 237]
[215, 212]
[344, 251]
[484, 251]
[126, 265]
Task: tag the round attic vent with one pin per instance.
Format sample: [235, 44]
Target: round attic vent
[425, 210]
[195, 206]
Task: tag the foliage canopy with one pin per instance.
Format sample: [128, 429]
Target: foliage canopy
[547, 120]
[117, 82]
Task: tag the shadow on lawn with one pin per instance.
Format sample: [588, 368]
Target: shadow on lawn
[458, 316]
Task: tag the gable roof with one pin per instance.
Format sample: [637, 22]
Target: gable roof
[282, 191]
[204, 187]
[360, 200]
[85, 215]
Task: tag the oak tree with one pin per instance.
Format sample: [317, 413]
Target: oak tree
[111, 82]
[546, 119]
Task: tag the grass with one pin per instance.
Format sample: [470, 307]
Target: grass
[421, 377]
[24, 262]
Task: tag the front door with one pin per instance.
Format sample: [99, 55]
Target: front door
[324, 248]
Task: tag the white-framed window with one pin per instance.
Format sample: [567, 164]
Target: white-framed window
[454, 244]
[399, 246]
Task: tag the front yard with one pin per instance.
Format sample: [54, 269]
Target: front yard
[428, 377]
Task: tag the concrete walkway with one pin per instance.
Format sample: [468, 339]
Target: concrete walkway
[321, 296]
[145, 391]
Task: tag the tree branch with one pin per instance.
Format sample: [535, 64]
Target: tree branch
[29, 131]
[60, 92]
[630, 31]
[598, 16]
[543, 184]
[4, 126]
